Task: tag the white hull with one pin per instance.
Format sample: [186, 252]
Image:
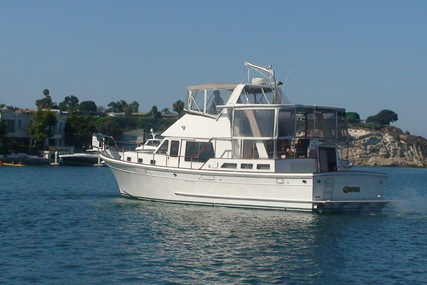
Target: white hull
[280, 191]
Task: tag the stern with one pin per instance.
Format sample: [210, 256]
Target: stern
[349, 191]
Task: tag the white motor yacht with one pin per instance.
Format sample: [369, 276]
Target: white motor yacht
[245, 145]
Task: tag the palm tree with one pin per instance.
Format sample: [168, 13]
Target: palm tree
[178, 107]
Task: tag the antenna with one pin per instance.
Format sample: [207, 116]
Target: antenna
[289, 73]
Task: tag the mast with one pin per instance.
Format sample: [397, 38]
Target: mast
[269, 74]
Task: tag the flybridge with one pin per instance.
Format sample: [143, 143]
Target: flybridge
[210, 99]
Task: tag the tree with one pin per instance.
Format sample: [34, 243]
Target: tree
[118, 106]
[352, 118]
[109, 126]
[46, 102]
[134, 106]
[41, 125]
[79, 130]
[112, 107]
[178, 107]
[154, 113]
[385, 117]
[12, 108]
[70, 104]
[128, 109]
[88, 106]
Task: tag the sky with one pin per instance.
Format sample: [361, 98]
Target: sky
[365, 56]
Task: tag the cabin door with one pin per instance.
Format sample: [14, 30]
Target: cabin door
[327, 159]
[173, 155]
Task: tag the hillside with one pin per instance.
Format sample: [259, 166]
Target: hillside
[386, 147]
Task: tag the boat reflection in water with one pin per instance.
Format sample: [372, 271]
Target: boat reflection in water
[246, 145]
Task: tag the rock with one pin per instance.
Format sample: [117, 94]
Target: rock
[387, 147]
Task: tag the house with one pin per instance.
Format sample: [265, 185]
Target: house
[17, 123]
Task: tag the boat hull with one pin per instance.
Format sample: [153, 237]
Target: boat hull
[329, 191]
[79, 160]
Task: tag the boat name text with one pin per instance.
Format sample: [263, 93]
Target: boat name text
[348, 189]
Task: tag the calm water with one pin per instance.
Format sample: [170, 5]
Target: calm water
[66, 225]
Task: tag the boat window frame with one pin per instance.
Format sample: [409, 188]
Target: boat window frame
[311, 128]
[243, 135]
[174, 148]
[205, 151]
[201, 97]
[163, 148]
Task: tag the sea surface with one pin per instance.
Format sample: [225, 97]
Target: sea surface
[68, 225]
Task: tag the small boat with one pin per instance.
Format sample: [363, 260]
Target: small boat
[89, 158]
[11, 163]
[246, 145]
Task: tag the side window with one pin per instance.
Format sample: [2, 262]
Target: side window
[163, 148]
[199, 151]
[174, 148]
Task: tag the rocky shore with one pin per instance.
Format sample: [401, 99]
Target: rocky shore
[386, 147]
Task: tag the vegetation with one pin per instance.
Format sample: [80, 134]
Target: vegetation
[88, 106]
[353, 118]
[178, 107]
[70, 104]
[41, 125]
[383, 118]
[12, 108]
[78, 130]
[46, 102]
[123, 107]
[377, 122]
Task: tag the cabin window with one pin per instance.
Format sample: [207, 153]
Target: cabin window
[246, 166]
[263, 166]
[321, 123]
[286, 123]
[152, 143]
[249, 149]
[284, 148]
[174, 148]
[199, 151]
[304, 122]
[229, 165]
[163, 148]
[253, 123]
[139, 160]
[128, 158]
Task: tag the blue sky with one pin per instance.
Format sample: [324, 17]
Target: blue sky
[365, 56]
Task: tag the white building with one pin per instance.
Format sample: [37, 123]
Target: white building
[17, 123]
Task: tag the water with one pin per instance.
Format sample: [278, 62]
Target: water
[68, 225]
